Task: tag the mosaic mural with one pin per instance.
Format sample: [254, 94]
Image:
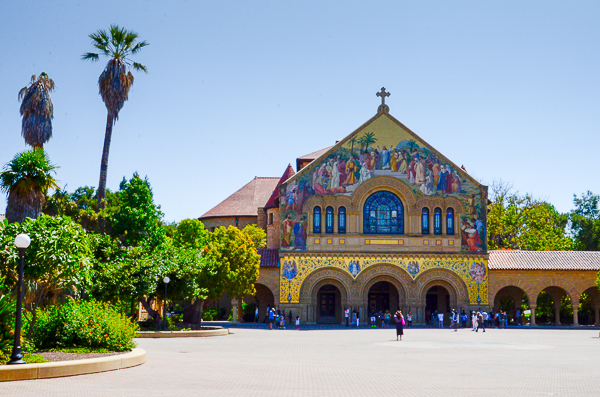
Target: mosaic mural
[382, 148]
[295, 269]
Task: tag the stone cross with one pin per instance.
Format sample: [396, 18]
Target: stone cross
[383, 94]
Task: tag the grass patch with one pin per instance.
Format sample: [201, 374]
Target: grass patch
[32, 358]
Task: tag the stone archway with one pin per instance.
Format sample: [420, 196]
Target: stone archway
[438, 301]
[262, 299]
[309, 292]
[589, 307]
[511, 299]
[450, 281]
[396, 277]
[549, 308]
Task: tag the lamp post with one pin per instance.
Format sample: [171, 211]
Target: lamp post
[166, 281]
[22, 241]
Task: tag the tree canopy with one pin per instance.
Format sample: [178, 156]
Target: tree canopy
[585, 222]
[521, 222]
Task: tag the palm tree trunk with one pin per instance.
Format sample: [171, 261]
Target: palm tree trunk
[104, 168]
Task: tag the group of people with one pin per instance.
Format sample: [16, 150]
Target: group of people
[277, 318]
[382, 319]
[476, 319]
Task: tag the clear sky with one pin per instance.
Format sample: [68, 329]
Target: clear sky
[238, 89]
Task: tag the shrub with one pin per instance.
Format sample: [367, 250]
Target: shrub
[7, 321]
[84, 324]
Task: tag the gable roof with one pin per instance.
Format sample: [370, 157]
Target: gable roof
[544, 260]
[327, 151]
[287, 174]
[311, 156]
[246, 201]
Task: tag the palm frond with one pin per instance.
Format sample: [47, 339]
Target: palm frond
[90, 56]
[139, 66]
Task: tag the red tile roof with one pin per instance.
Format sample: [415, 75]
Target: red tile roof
[269, 257]
[314, 155]
[246, 201]
[544, 260]
[273, 200]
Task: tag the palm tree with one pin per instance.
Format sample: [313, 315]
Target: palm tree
[26, 179]
[114, 82]
[37, 110]
[368, 139]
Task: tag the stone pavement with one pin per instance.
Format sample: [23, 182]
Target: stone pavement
[355, 362]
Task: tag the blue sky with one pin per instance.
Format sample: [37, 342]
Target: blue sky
[238, 89]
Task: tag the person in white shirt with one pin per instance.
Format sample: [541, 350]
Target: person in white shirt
[474, 320]
[441, 320]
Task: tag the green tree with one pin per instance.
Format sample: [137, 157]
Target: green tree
[81, 207]
[118, 44]
[236, 251]
[257, 235]
[191, 233]
[26, 179]
[58, 259]
[37, 110]
[138, 219]
[585, 222]
[524, 223]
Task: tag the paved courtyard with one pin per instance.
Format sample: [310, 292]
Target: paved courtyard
[355, 362]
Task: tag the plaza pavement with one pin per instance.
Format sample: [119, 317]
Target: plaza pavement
[354, 362]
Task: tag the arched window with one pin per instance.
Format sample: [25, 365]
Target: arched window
[317, 220]
[425, 221]
[383, 214]
[437, 221]
[342, 220]
[329, 220]
[450, 221]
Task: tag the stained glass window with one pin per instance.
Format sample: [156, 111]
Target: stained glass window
[342, 220]
[450, 221]
[437, 221]
[329, 220]
[425, 221]
[383, 214]
[317, 220]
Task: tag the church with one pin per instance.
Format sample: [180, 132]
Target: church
[384, 221]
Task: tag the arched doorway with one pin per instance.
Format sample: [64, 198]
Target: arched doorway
[553, 307]
[262, 299]
[437, 300]
[589, 307]
[383, 296]
[329, 305]
[511, 299]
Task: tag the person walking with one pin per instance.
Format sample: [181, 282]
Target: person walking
[256, 315]
[347, 316]
[409, 318]
[441, 319]
[399, 325]
[454, 323]
[480, 323]
[297, 323]
[474, 320]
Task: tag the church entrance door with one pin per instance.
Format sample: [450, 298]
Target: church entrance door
[383, 296]
[437, 300]
[329, 301]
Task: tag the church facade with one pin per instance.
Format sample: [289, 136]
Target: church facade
[384, 221]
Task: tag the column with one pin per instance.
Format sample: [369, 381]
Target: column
[234, 311]
[596, 310]
[532, 318]
[575, 307]
[420, 314]
[556, 311]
